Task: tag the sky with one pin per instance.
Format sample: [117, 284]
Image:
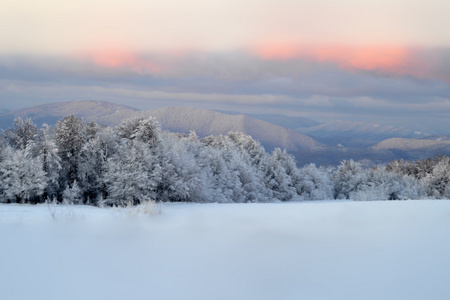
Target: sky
[375, 61]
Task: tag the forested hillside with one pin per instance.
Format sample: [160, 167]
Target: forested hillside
[84, 163]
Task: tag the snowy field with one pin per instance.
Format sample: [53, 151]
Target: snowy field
[309, 250]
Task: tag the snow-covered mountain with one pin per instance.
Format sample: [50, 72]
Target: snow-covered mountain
[206, 122]
[295, 123]
[179, 119]
[357, 134]
[414, 144]
[105, 113]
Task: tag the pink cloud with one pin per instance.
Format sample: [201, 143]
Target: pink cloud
[393, 60]
[124, 60]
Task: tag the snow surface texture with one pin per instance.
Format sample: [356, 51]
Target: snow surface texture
[309, 250]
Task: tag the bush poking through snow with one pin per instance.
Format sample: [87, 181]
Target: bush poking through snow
[150, 208]
[60, 211]
[72, 195]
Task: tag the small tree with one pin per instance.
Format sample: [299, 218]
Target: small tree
[72, 194]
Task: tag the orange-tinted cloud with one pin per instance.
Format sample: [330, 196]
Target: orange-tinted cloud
[382, 60]
[124, 60]
[385, 59]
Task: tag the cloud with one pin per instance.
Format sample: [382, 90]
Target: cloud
[236, 80]
[277, 61]
[386, 60]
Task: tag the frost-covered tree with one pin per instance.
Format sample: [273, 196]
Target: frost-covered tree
[143, 130]
[233, 166]
[127, 128]
[73, 194]
[21, 176]
[23, 131]
[353, 182]
[347, 178]
[277, 180]
[46, 149]
[251, 180]
[378, 184]
[438, 181]
[247, 144]
[147, 131]
[99, 145]
[215, 173]
[90, 168]
[314, 183]
[132, 175]
[433, 174]
[180, 177]
[69, 138]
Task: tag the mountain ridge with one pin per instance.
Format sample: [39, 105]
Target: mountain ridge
[412, 144]
[178, 119]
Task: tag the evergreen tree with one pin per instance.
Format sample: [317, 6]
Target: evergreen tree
[72, 194]
[46, 149]
[69, 138]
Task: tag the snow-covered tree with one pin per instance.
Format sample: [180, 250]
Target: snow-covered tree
[23, 131]
[251, 179]
[21, 176]
[127, 128]
[347, 178]
[180, 176]
[314, 183]
[147, 131]
[377, 183]
[143, 130]
[433, 174]
[246, 143]
[69, 138]
[233, 164]
[72, 194]
[277, 180]
[438, 181]
[132, 175]
[46, 149]
[90, 168]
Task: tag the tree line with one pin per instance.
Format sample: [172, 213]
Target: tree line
[85, 163]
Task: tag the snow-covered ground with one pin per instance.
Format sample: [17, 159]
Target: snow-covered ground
[309, 250]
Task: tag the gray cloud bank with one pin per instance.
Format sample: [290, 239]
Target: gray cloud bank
[238, 82]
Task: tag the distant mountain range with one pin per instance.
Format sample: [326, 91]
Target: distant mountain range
[337, 132]
[294, 123]
[357, 134]
[177, 119]
[414, 144]
[308, 140]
